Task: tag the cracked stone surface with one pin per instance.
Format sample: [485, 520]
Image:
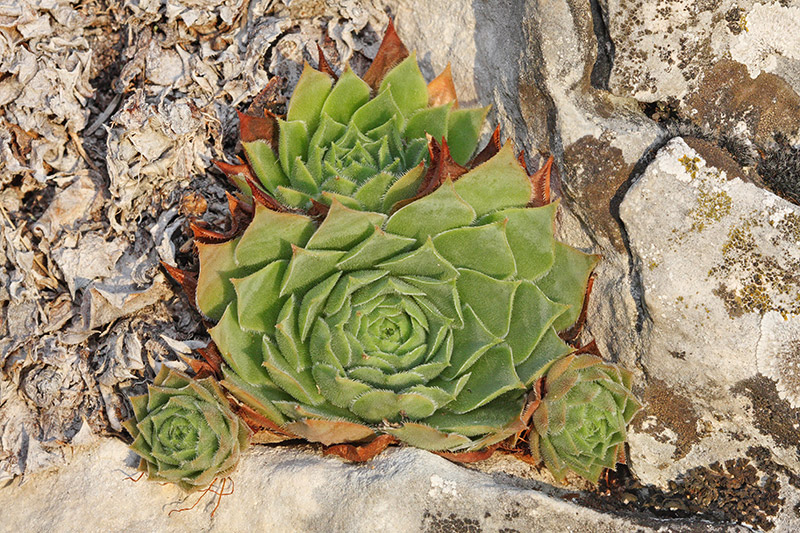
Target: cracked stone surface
[719, 260]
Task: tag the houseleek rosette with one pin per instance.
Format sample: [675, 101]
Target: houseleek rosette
[338, 141]
[430, 324]
[185, 432]
[580, 424]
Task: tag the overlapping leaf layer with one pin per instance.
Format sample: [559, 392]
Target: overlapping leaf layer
[429, 324]
[580, 424]
[185, 432]
[339, 142]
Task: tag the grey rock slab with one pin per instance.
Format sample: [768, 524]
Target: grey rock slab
[295, 489]
[719, 261]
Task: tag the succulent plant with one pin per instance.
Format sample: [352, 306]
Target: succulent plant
[338, 141]
[580, 422]
[185, 432]
[429, 324]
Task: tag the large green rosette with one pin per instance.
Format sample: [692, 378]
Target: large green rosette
[430, 324]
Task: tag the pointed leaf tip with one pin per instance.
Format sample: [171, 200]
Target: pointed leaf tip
[540, 181]
[324, 66]
[390, 53]
[442, 90]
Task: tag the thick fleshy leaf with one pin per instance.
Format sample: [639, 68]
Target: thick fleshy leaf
[492, 375]
[432, 121]
[214, 288]
[566, 281]
[427, 437]
[431, 215]
[502, 175]
[482, 248]
[330, 431]
[349, 94]
[309, 96]
[265, 165]
[343, 228]
[464, 131]
[258, 299]
[407, 86]
[270, 236]
[530, 235]
[241, 350]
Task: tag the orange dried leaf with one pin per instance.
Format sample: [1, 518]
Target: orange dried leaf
[541, 184]
[253, 128]
[470, 457]
[359, 454]
[442, 90]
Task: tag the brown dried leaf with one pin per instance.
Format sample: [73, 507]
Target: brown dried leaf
[187, 280]
[442, 90]
[324, 66]
[268, 99]
[391, 52]
[489, 151]
[360, 454]
[252, 128]
[470, 457]
[572, 333]
[541, 184]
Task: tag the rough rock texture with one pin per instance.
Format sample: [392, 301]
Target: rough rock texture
[719, 261]
[404, 490]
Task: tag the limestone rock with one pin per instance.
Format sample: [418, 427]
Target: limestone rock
[295, 489]
[719, 261]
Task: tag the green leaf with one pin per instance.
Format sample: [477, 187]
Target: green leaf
[566, 282]
[308, 267]
[378, 111]
[428, 438]
[549, 348]
[495, 311]
[407, 86]
[299, 385]
[405, 187]
[482, 248]
[499, 183]
[308, 98]
[432, 121]
[338, 389]
[439, 211]
[287, 336]
[374, 249]
[348, 285]
[470, 343]
[424, 261]
[241, 350]
[464, 131]
[302, 179]
[313, 302]
[492, 375]
[270, 237]
[530, 235]
[265, 165]
[533, 315]
[258, 299]
[214, 288]
[257, 397]
[486, 419]
[349, 94]
[292, 143]
[372, 192]
[343, 228]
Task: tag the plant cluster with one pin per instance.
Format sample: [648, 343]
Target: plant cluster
[382, 280]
